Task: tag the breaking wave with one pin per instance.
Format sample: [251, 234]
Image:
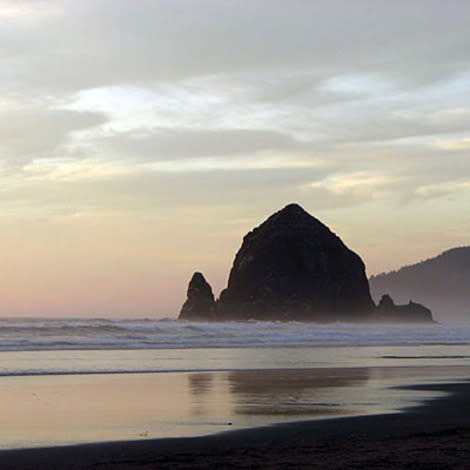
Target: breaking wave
[87, 334]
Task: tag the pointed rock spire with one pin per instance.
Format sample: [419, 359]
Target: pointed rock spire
[200, 304]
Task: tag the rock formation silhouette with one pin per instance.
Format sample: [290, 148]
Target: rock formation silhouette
[441, 283]
[200, 304]
[410, 313]
[292, 267]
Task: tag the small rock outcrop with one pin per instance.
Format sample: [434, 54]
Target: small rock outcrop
[292, 267]
[200, 304]
[388, 311]
[441, 283]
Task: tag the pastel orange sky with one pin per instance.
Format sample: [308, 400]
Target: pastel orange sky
[139, 141]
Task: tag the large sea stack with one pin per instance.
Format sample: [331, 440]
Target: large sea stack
[292, 267]
[200, 304]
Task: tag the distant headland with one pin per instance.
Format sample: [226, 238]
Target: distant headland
[441, 282]
[294, 268]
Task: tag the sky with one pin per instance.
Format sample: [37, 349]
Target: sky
[140, 140]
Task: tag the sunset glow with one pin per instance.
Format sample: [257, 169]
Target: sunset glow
[139, 141]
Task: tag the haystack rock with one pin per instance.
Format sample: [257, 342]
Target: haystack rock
[200, 304]
[412, 312]
[292, 267]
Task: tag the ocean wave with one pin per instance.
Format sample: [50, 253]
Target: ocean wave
[72, 334]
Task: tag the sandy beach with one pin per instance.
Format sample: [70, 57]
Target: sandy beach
[433, 435]
[398, 405]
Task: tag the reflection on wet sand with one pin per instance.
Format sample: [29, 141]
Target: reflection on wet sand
[292, 392]
[279, 381]
[200, 383]
[51, 410]
[275, 394]
[201, 389]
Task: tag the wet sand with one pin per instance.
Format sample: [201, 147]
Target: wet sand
[433, 435]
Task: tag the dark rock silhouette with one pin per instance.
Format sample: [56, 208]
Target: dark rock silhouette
[292, 267]
[200, 304]
[442, 283]
[386, 303]
[387, 311]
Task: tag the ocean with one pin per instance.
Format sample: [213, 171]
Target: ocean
[64, 381]
[100, 334]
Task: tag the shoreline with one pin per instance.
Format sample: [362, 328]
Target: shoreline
[433, 434]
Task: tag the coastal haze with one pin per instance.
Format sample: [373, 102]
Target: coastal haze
[141, 140]
[441, 282]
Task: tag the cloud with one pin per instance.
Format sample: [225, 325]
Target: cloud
[356, 182]
[27, 133]
[215, 87]
[177, 143]
[119, 42]
[27, 11]
[446, 188]
[454, 144]
[72, 170]
[49, 188]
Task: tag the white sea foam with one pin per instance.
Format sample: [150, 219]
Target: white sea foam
[86, 334]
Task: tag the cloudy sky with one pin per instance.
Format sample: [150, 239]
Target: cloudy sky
[139, 140]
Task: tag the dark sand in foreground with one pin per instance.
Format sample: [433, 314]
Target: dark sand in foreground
[435, 435]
